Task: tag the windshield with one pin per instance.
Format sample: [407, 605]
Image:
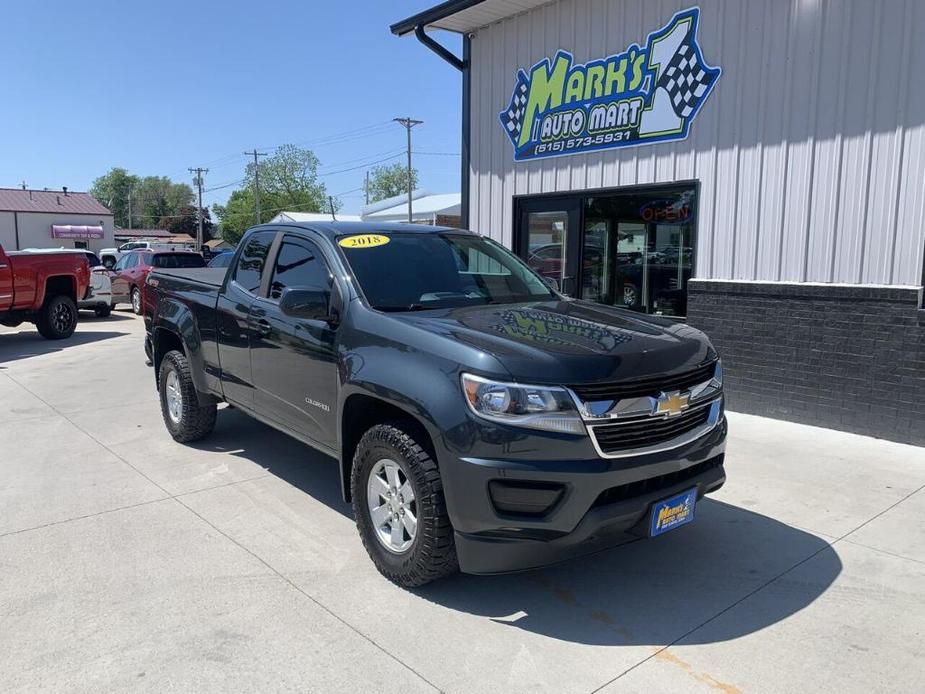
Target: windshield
[178, 260]
[413, 271]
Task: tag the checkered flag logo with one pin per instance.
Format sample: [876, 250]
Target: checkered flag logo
[513, 118]
[686, 79]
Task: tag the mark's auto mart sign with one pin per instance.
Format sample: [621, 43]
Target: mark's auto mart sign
[641, 96]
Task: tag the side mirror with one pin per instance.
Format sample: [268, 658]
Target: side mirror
[307, 304]
[551, 282]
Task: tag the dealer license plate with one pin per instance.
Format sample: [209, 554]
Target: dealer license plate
[672, 513]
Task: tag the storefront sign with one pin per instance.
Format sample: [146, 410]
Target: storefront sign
[642, 96]
[75, 231]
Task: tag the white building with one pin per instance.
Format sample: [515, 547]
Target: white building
[754, 167]
[426, 208]
[284, 217]
[53, 219]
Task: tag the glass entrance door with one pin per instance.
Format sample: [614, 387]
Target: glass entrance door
[548, 239]
[638, 248]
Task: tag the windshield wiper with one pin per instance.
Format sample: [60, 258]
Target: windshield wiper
[395, 309]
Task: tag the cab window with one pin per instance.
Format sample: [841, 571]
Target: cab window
[250, 265]
[298, 264]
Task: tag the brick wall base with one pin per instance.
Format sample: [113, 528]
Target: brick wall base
[844, 357]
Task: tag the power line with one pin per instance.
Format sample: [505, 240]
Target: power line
[224, 185]
[334, 138]
[361, 166]
[388, 152]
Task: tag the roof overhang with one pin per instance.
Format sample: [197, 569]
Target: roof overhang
[465, 16]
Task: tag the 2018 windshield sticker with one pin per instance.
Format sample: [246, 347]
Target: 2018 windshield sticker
[641, 96]
[363, 241]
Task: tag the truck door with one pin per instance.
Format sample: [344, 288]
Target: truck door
[294, 360]
[233, 316]
[6, 282]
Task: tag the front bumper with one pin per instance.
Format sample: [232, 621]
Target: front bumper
[599, 503]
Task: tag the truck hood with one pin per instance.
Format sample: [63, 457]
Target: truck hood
[569, 342]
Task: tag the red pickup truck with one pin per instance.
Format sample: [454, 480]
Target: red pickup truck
[42, 288]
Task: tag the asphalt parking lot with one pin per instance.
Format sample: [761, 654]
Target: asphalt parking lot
[130, 562]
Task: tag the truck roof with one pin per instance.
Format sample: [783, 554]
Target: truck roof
[334, 229]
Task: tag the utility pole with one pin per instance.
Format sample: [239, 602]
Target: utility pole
[256, 154]
[130, 207]
[367, 186]
[408, 123]
[198, 180]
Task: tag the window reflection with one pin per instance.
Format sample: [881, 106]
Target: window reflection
[638, 249]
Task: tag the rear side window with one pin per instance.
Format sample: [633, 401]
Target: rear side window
[221, 260]
[299, 264]
[253, 258]
[178, 260]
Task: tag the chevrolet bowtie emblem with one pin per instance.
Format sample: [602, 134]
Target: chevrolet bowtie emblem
[672, 403]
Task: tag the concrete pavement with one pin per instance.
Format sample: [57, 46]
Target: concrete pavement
[130, 562]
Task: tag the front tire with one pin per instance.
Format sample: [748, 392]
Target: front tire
[185, 418]
[58, 318]
[103, 311]
[400, 508]
[136, 301]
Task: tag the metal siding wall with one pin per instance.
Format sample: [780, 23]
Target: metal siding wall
[810, 152]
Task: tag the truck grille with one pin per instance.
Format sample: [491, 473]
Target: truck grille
[641, 387]
[655, 484]
[647, 431]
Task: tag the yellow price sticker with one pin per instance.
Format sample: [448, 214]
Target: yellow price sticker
[363, 241]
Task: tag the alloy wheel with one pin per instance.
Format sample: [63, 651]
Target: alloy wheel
[61, 318]
[174, 397]
[392, 506]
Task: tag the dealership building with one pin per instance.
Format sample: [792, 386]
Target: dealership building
[53, 219]
[754, 167]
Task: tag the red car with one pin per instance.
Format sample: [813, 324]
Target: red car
[43, 288]
[130, 273]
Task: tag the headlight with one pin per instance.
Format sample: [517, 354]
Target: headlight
[537, 407]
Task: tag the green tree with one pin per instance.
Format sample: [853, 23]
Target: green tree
[157, 199]
[112, 190]
[186, 222]
[288, 181]
[389, 181]
[154, 199]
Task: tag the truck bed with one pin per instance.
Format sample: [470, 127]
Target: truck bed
[208, 276]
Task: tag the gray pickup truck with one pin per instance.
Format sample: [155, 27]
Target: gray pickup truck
[480, 419]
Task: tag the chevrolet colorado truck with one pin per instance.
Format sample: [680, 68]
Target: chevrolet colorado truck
[481, 421]
[43, 288]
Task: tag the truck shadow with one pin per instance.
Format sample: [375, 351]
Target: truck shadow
[28, 343]
[291, 461]
[652, 592]
[646, 592]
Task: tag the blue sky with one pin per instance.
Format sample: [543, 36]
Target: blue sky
[160, 87]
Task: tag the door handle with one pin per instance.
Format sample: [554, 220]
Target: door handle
[262, 326]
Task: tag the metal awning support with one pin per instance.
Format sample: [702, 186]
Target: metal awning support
[438, 49]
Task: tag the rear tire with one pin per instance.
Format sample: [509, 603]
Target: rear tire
[186, 419]
[431, 553]
[58, 318]
[103, 311]
[136, 301]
